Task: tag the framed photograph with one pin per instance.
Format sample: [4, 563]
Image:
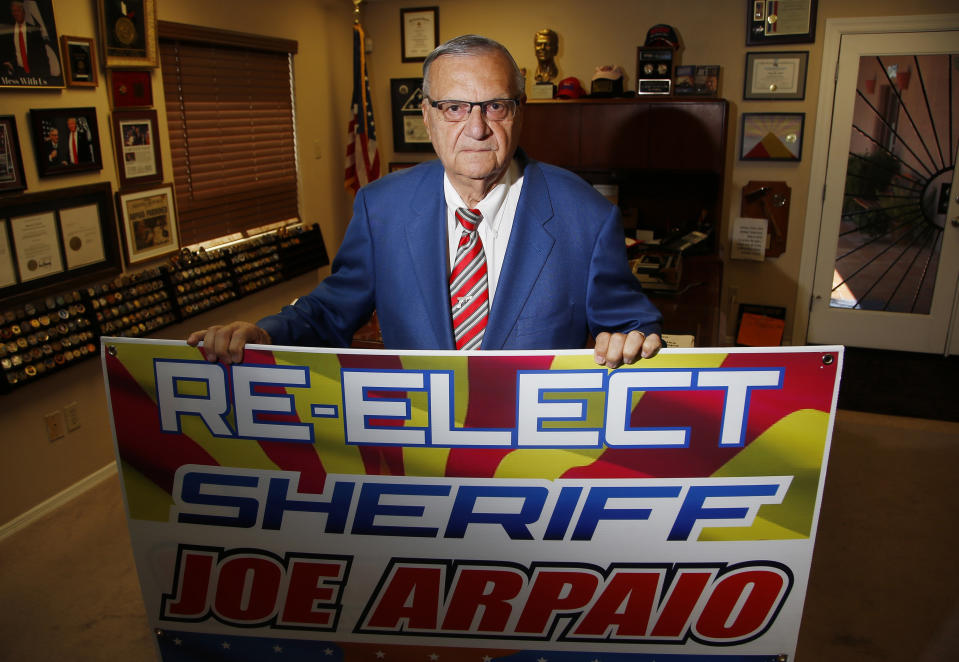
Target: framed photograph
[409, 132]
[148, 223]
[11, 159]
[700, 80]
[772, 137]
[401, 165]
[419, 32]
[29, 45]
[771, 22]
[65, 140]
[79, 61]
[128, 33]
[135, 135]
[56, 240]
[130, 88]
[776, 75]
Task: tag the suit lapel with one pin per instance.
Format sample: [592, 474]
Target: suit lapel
[427, 245]
[530, 244]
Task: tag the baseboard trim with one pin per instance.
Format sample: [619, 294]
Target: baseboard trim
[57, 500]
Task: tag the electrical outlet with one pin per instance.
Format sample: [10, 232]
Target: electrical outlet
[72, 415]
[56, 425]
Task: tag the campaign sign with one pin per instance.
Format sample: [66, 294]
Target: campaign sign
[314, 504]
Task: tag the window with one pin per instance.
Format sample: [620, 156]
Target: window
[229, 107]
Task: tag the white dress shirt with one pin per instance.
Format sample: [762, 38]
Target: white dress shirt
[498, 209]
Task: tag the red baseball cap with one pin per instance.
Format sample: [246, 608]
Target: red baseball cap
[570, 88]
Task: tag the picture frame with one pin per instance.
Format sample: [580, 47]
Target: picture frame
[79, 61]
[130, 88]
[771, 137]
[51, 129]
[409, 132]
[136, 147]
[56, 240]
[43, 68]
[700, 80]
[770, 22]
[11, 158]
[401, 165]
[775, 75]
[128, 33]
[148, 223]
[419, 32]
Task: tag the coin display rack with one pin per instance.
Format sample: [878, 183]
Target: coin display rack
[201, 282]
[41, 337]
[302, 251]
[132, 305]
[257, 265]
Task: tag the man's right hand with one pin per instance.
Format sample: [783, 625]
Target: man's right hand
[226, 343]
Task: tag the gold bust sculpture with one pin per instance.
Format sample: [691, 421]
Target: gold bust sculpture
[546, 43]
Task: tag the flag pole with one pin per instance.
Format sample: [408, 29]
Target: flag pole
[356, 11]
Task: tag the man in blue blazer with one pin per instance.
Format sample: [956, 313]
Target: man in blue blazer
[554, 270]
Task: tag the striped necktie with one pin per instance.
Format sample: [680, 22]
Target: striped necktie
[469, 290]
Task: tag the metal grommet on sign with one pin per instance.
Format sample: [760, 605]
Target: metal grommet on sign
[112, 350]
[827, 359]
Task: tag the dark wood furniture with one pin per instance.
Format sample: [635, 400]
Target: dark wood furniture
[667, 157]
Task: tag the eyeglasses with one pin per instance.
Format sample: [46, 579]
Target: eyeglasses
[495, 110]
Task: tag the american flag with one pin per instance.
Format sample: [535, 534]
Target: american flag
[362, 156]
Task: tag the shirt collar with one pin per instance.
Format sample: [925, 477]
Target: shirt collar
[490, 205]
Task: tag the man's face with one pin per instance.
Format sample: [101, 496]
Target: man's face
[54, 135]
[544, 49]
[16, 10]
[475, 149]
[72, 124]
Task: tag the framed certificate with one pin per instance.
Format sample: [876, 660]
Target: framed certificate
[780, 22]
[419, 32]
[775, 75]
[56, 240]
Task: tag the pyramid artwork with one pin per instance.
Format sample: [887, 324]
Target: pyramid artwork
[770, 147]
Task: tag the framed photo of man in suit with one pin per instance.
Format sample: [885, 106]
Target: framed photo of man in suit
[29, 45]
[65, 140]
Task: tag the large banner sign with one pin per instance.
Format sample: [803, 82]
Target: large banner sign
[314, 504]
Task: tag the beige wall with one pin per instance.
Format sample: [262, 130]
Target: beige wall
[33, 469]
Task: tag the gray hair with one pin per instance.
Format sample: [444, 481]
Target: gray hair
[472, 44]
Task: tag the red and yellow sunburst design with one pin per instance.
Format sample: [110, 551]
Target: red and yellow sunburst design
[786, 433]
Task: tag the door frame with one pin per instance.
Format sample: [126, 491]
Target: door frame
[836, 28]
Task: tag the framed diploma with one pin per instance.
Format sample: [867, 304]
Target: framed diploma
[419, 32]
[56, 240]
[775, 75]
[780, 22]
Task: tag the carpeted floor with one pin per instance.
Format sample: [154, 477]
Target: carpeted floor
[900, 383]
[884, 585]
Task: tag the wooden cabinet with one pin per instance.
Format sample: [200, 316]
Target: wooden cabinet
[667, 157]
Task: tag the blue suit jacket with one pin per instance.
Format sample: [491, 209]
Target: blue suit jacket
[565, 273]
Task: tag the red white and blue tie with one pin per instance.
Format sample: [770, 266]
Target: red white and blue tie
[469, 289]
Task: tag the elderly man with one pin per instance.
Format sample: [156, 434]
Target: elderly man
[481, 249]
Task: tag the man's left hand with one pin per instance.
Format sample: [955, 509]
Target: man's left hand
[615, 349]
